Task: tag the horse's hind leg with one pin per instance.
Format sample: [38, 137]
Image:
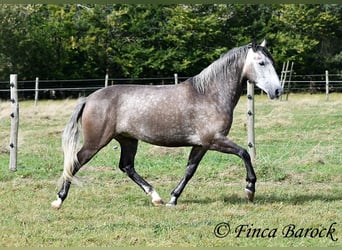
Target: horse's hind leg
[97, 127]
[93, 142]
[83, 156]
[128, 152]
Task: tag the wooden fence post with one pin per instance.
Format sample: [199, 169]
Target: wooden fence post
[36, 91]
[14, 122]
[289, 82]
[326, 85]
[106, 80]
[250, 121]
[176, 78]
[283, 76]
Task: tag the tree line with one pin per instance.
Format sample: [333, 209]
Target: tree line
[76, 41]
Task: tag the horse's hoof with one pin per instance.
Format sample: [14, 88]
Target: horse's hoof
[57, 204]
[158, 202]
[172, 202]
[249, 195]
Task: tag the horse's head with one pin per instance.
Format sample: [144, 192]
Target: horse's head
[259, 69]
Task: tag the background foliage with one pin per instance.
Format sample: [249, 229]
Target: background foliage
[86, 41]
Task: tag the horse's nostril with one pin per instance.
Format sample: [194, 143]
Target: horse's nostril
[278, 92]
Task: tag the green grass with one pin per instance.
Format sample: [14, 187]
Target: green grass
[298, 165]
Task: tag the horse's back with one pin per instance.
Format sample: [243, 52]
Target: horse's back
[156, 114]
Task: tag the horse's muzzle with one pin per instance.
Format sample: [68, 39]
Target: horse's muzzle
[278, 92]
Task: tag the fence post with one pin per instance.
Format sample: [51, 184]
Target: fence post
[176, 78]
[106, 80]
[289, 82]
[14, 122]
[36, 92]
[250, 121]
[283, 76]
[326, 85]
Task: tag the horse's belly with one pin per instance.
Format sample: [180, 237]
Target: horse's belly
[161, 132]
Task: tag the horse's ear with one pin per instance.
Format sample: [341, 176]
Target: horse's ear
[253, 45]
[263, 44]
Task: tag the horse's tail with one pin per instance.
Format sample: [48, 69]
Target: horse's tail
[70, 141]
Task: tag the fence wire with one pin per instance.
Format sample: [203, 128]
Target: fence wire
[73, 88]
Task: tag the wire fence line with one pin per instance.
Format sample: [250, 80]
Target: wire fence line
[59, 89]
[73, 88]
[315, 83]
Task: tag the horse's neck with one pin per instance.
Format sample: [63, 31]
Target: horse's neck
[227, 92]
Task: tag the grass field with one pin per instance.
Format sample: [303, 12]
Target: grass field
[299, 161]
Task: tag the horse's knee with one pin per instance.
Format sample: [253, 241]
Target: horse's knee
[127, 169]
[122, 168]
[243, 153]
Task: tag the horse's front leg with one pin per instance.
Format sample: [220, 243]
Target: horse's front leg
[251, 177]
[224, 145]
[195, 157]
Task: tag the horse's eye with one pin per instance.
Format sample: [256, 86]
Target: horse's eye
[262, 63]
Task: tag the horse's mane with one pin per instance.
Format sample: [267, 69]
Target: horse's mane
[225, 67]
[220, 69]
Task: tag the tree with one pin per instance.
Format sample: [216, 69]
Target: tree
[87, 40]
[307, 34]
[12, 32]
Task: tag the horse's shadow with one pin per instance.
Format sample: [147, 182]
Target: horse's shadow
[260, 199]
[297, 199]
